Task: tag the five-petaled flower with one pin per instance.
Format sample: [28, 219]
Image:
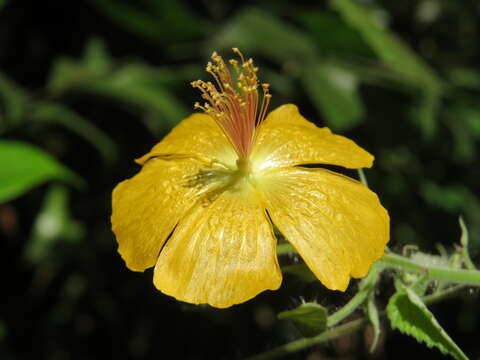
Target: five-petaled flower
[202, 207]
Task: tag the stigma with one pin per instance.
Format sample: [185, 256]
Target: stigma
[233, 100]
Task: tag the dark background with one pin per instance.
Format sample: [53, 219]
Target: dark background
[98, 83]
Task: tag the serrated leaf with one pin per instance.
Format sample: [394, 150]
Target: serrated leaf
[407, 313]
[333, 90]
[25, 166]
[52, 224]
[254, 30]
[310, 318]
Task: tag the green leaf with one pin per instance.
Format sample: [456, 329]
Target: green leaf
[254, 30]
[51, 113]
[13, 103]
[342, 38]
[424, 113]
[96, 57]
[374, 318]
[165, 20]
[133, 83]
[465, 77]
[452, 198]
[301, 271]
[25, 166]
[333, 90]
[464, 241]
[310, 318]
[2, 3]
[52, 225]
[407, 313]
[387, 46]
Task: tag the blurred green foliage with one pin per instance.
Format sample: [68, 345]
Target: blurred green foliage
[88, 92]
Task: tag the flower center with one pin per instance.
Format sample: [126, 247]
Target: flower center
[234, 103]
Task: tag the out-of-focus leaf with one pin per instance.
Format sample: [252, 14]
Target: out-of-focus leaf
[451, 198]
[333, 90]
[424, 113]
[53, 224]
[133, 83]
[146, 95]
[374, 318]
[407, 313]
[2, 3]
[342, 38]
[388, 47]
[310, 318]
[164, 20]
[96, 57]
[254, 30]
[301, 271]
[13, 103]
[464, 241]
[25, 166]
[465, 77]
[54, 113]
[463, 120]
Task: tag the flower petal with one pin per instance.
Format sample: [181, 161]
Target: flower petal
[198, 136]
[336, 224]
[286, 138]
[222, 253]
[146, 208]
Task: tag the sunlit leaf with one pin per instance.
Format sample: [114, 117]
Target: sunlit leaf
[310, 318]
[25, 166]
[407, 313]
[333, 90]
[52, 225]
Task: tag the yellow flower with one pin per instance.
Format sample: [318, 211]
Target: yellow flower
[202, 207]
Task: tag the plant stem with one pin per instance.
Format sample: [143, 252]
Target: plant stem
[365, 287]
[344, 329]
[307, 342]
[459, 276]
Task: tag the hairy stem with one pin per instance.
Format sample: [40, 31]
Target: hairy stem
[459, 276]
